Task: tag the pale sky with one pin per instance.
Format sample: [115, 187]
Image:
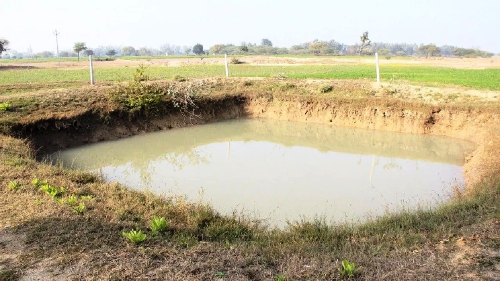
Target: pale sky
[151, 23]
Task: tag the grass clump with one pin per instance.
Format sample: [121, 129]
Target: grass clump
[236, 61]
[53, 191]
[134, 236]
[80, 209]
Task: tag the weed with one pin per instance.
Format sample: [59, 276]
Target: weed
[72, 201]
[14, 185]
[79, 209]
[185, 241]
[326, 89]
[158, 224]
[52, 190]
[5, 106]
[279, 277]
[87, 197]
[248, 83]
[280, 76]
[348, 269]
[36, 182]
[135, 236]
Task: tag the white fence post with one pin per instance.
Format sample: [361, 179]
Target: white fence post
[92, 82]
[225, 63]
[378, 69]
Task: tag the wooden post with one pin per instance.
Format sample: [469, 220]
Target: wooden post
[378, 68]
[225, 63]
[92, 82]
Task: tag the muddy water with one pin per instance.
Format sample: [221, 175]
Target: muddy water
[281, 171]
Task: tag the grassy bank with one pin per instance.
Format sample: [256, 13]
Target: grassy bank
[485, 79]
[69, 224]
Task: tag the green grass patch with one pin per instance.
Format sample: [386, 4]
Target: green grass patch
[485, 79]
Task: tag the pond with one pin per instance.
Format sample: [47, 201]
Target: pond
[283, 171]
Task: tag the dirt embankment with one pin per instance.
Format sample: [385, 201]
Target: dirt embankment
[476, 126]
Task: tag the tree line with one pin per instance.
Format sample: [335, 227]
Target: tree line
[315, 47]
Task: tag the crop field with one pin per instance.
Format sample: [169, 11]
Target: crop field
[483, 79]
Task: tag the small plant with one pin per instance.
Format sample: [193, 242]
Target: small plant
[79, 209]
[36, 182]
[140, 75]
[248, 83]
[348, 269]
[135, 236]
[220, 274]
[52, 190]
[158, 224]
[14, 185]
[326, 89]
[5, 106]
[279, 277]
[72, 201]
[87, 197]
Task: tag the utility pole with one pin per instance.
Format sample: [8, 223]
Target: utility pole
[57, 46]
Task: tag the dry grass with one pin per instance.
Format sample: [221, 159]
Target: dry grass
[43, 238]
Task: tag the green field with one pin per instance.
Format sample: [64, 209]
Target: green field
[484, 79]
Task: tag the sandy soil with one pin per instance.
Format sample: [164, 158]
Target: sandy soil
[460, 63]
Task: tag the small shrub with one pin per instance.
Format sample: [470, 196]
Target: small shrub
[72, 201]
[236, 61]
[14, 185]
[287, 86]
[134, 236]
[326, 89]
[348, 269]
[5, 106]
[158, 224]
[388, 57]
[179, 78]
[248, 83]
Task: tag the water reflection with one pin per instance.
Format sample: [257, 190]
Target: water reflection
[283, 170]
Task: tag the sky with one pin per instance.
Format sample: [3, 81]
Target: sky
[151, 23]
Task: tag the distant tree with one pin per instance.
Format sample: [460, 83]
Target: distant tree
[88, 52]
[111, 53]
[400, 54]
[128, 51]
[430, 50]
[3, 45]
[79, 46]
[187, 51]
[45, 54]
[244, 49]
[365, 42]
[383, 52]
[144, 52]
[216, 49]
[318, 47]
[64, 54]
[198, 49]
[266, 42]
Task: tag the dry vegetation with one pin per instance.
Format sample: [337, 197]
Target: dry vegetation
[48, 237]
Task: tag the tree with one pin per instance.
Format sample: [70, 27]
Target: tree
[244, 49]
[216, 49]
[111, 53]
[198, 49]
[3, 45]
[88, 52]
[365, 42]
[266, 42]
[144, 52]
[79, 46]
[318, 47]
[187, 51]
[128, 51]
[430, 50]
